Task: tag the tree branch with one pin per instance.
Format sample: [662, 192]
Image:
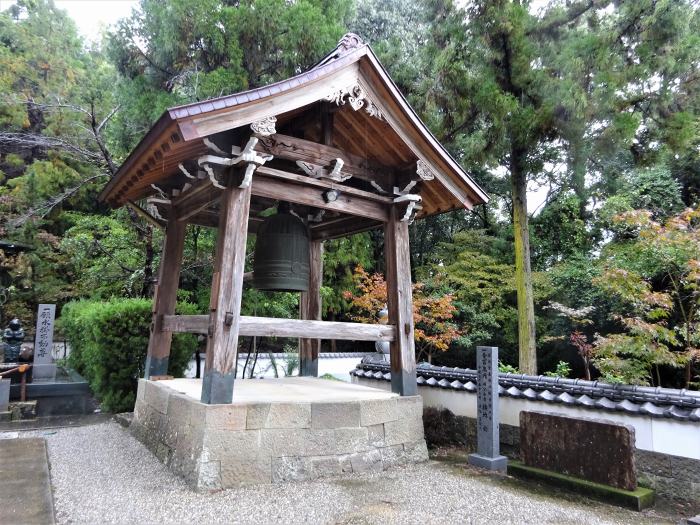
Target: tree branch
[572, 12]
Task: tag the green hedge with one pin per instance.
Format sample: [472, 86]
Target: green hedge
[108, 342]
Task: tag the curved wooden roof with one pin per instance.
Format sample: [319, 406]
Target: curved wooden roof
[383, 129]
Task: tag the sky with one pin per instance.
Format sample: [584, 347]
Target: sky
[91, 16]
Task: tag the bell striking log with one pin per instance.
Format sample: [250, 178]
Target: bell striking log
[282, 253]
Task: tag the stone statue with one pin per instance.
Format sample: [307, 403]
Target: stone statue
[13, 337]
[382, 347]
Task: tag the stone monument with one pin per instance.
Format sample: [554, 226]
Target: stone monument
[383, 347]
[12, 338]
[487, 454]
[44, 366]
[4, 394]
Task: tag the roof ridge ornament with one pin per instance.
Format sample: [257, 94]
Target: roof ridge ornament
[350, 41]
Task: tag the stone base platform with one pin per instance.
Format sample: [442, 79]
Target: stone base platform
[277, 430]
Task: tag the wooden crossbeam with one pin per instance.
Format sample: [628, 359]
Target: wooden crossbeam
[342, 227]
[273, 327]
[199, 197]
[293, 148]
[275, 184]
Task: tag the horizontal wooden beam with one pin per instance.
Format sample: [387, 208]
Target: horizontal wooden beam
[342, 227]
[275, 184]
[273, 327]
[197, 198]
[322, 184]
[294, 149]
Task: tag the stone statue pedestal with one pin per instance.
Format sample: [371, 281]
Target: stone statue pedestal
[44, 372]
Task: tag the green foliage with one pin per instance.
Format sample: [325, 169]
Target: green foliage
[559, 232]
[507, 369]
[108, 346]
[105, 255]
[562, 370]
[656, 190]
[340, 258]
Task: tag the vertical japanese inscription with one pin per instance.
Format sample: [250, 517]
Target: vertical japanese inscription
[43, 344]
[487, 416]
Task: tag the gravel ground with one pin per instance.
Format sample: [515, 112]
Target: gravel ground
[100, 474]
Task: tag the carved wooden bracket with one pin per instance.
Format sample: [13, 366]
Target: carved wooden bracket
[248, 156]
[412, 202]
[320, 172]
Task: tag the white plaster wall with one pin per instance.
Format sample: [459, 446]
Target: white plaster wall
[667, 436]
[338, 367]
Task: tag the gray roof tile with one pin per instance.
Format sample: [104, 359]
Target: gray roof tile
[683, 405]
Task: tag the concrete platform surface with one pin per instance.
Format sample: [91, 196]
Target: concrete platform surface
[285, 390]
[25, 486]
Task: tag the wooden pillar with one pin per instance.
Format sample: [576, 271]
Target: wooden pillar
[165, 298]
[310, 305]
[226, 292]
[400, 305]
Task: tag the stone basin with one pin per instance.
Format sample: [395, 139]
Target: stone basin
[277, 430]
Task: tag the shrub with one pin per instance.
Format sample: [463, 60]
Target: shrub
[108, 342]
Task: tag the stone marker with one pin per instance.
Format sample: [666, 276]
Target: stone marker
[4, 394]
[487, 436]
[44, 367]
[591, 449]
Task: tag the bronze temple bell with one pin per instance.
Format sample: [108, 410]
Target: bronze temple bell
[282, 253]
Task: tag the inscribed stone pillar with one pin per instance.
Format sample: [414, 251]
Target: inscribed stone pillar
[44, 366]
[487, 435]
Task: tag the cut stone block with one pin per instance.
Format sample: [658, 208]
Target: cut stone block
[226, 417]
[370, 461]
[156, 397]
[209, 476]
[289, 415]
[377, 411]
[335, 415]
[141, 390]
[393, 455]
[416, 452]
[410, 406]
[231, 443]
[405, 430]
[257, 415]
[221, 446]
[376, 435]
[246, 472]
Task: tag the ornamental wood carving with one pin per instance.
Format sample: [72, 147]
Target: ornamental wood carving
[357, 98]
[264, 127]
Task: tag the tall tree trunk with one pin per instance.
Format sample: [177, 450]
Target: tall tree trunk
[577, 158]
[523, 272]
